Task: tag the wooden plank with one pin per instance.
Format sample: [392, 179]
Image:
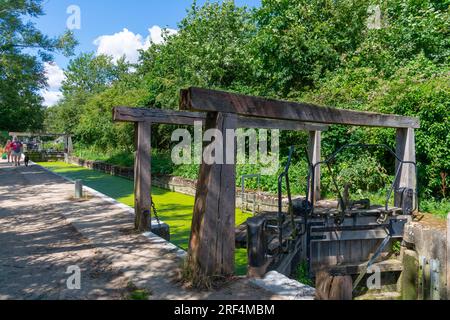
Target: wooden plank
[199, 99]
[356, 251]
[314, 153]
[323, 285]
[142, 177]
[126, 114]
[334, 252]
[351, 235]
[262, 123]
[212, 242]
[405, 150]
[326, 249]
[340, 251]
[227, 201]
[348, 251]
[368, 247]
[329, 287]
[341, 288]
[319, 253]
[390, 265]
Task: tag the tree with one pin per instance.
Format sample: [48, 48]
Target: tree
[90, 74]
[209, 50]
[299, 41]
[93, 86]
[22, 74]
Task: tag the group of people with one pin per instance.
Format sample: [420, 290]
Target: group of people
[14, 150]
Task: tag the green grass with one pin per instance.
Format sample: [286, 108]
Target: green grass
[139, 295]
[173, 208]
[438, 208]
[301, 274]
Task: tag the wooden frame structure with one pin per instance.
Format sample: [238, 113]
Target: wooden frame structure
[144, 118]
[212, 245]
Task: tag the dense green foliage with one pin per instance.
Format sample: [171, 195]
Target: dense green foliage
[319, 51]
[21, 72]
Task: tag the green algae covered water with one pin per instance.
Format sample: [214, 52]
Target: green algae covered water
[173, 208]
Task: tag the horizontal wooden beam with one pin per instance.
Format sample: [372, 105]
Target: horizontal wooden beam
[263, 123]
[205, 100]
[126, 114]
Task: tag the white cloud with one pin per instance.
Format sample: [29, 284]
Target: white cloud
[124, 43]
[51, 97]
[156, 34]
[55, 76]
[127, 43]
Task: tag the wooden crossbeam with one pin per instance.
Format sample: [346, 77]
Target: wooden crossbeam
[206, 100]
[126, 114]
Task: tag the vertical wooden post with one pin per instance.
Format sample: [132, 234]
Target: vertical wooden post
[142, 177]
[212, 242]
[66, 144]
[78, 189]
[405, 150]
[69, 145]
[314, 150]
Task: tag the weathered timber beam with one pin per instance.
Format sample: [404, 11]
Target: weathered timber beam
[199, 99]
[212, 241]
[263, 123]
[405, 150]
[142, 176]
[126, 114]
[314, 153]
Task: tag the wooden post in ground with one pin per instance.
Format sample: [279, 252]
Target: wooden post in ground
[142, 177]
[212, 243]
[405, 150]
[329, 287]
[314, 150]
[78, 189]
[69, 145]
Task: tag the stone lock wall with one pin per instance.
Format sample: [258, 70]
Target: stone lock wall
[430, 242]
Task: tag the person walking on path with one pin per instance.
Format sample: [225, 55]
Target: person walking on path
[16, 148]
[8, 150]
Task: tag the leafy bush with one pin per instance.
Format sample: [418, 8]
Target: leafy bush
[439, 208]
[53, 146]
[301, 274]
[361, 173]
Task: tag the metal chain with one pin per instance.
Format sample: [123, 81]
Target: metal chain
[156, 213]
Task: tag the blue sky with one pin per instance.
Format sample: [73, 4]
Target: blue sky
[115, 27]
